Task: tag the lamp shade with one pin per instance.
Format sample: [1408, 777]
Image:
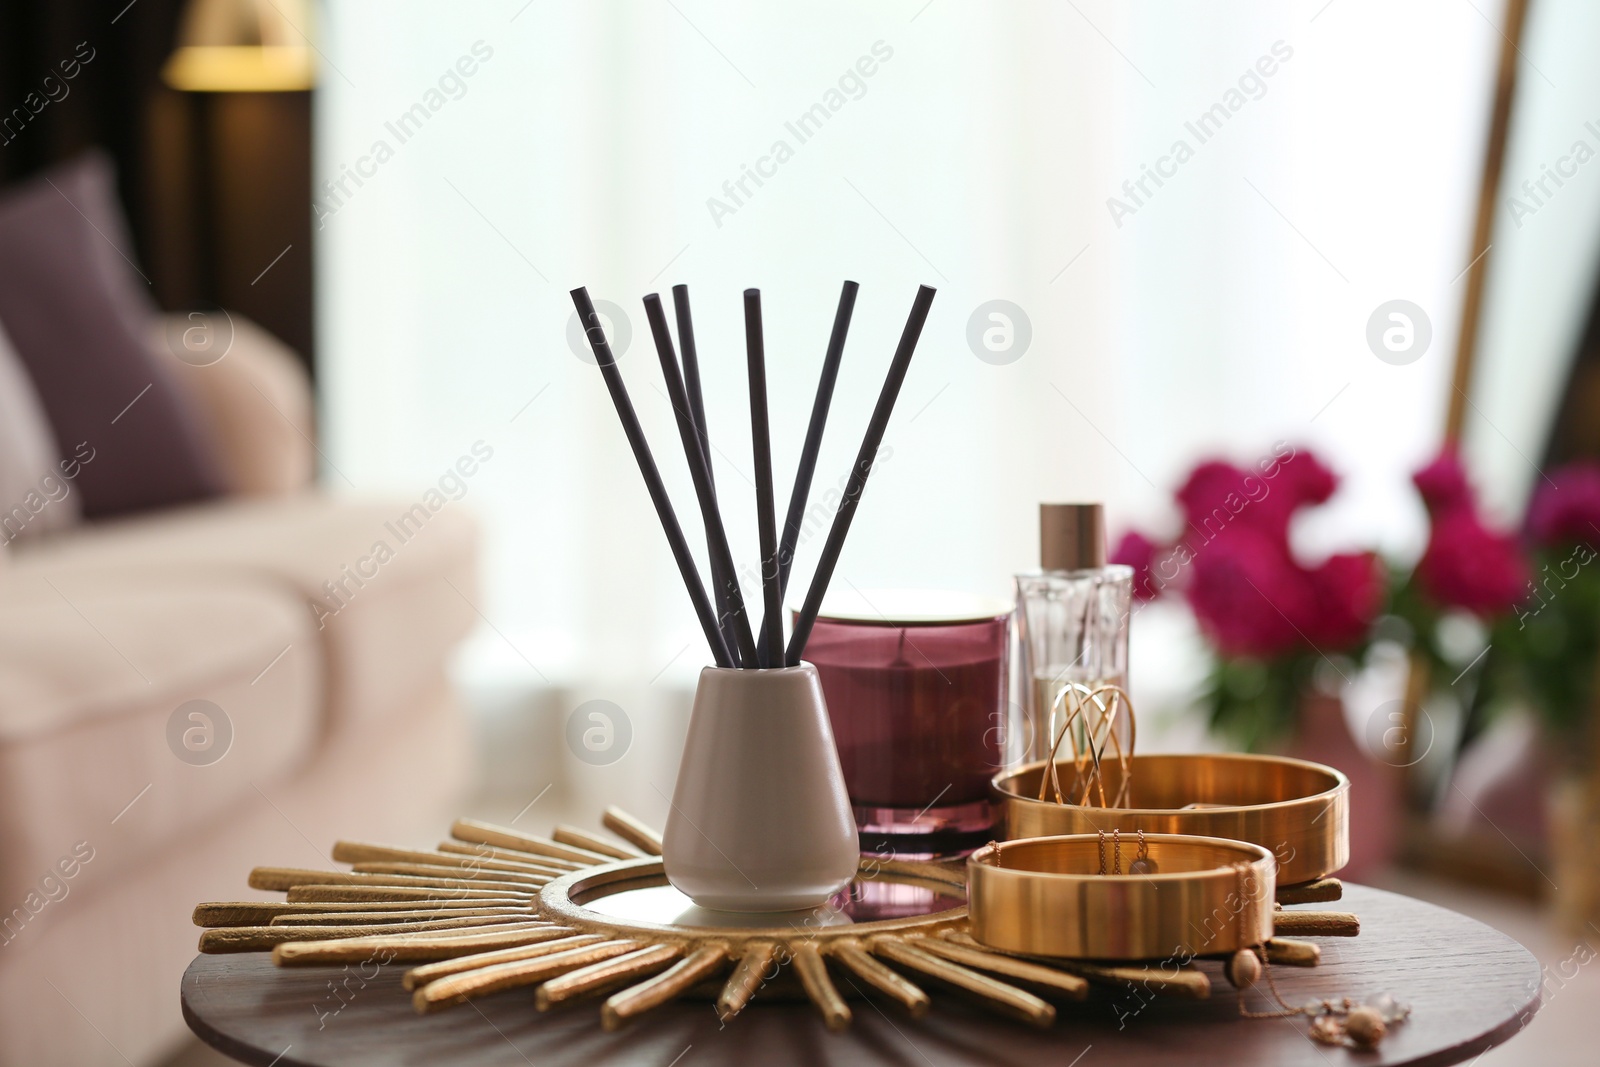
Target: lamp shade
[243, 46]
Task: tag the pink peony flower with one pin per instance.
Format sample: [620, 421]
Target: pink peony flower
[1350, 591]
[1218, 495]
[1139, 552]
[1214, 494]
[1566, 508]
[1249, 595]
[1465, 564]
[1443, 483]
[1305, 480]
[1247, 590]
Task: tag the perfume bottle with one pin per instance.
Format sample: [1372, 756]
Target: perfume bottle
[1072, 619]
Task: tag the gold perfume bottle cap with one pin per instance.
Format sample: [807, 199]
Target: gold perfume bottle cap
[1072, 537]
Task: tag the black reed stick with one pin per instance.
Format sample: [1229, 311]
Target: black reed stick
[813, 444]
[771, 645]
[697, 408]
[858, 474]
[699, 472]
[691, 371]
[652, 477]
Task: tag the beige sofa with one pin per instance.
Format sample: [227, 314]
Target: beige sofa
[116, 816]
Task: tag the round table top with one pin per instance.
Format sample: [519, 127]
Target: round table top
[1472, 987]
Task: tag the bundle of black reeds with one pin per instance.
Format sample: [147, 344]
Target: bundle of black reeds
[734, 642]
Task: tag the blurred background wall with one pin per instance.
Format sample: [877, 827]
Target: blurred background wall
[1217, 312]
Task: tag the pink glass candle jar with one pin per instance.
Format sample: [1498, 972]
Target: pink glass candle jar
[916, 690]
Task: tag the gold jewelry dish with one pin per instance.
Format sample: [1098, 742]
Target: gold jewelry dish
[1297, 810]
[577, 915]
[1121, 896]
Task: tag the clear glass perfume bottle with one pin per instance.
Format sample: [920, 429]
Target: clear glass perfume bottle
[1072, 618]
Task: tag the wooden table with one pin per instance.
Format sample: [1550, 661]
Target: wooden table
[1472, 988]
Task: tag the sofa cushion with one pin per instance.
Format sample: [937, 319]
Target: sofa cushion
[254, 396]
[34, 497]
[133, 708]
[79, 320]
[386, 587]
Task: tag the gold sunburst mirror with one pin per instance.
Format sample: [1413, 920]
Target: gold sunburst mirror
[578, 915]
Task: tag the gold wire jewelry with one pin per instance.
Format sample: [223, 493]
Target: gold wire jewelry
[1090, 721]
[1142, 863]
[1360, 1026]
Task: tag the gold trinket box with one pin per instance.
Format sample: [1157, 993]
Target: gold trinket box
[1073, 897]
[1297, 810]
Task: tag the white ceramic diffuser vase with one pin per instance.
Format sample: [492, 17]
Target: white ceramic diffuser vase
[760, 819]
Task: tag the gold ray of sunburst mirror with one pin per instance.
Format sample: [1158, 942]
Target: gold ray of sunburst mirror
[577, 915]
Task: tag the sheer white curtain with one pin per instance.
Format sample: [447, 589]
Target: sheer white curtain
[972, 147]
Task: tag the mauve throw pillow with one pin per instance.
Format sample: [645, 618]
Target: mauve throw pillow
[74, 307]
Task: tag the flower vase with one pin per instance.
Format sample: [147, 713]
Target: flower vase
[1574, 812]
[1322, 735]
[760, 818]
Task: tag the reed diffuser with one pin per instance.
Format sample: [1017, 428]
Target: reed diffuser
[760, 817]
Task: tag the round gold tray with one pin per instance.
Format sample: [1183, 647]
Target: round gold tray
[1297, 810]
[577, 915]
[1047, 896]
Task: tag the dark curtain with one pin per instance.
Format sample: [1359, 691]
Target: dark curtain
[216, 186]
[105, 104]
